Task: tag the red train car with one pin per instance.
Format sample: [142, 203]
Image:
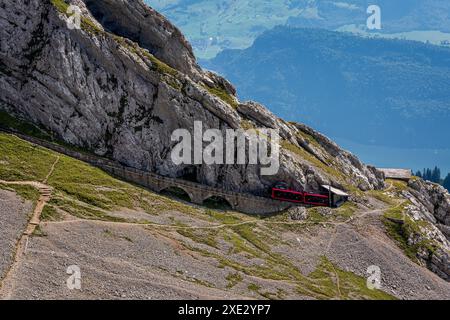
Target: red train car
[313, 199]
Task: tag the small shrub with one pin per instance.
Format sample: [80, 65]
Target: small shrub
[233, 280]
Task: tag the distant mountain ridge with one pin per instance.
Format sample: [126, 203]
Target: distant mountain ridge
[214, 25]
[397, 16]
[371, 91]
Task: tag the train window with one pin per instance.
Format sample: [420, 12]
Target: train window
[286, 195]
[312, 199]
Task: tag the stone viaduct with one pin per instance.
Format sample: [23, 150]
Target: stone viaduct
[197, 192]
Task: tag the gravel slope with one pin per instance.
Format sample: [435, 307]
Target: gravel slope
[13, 217]
[116, 262]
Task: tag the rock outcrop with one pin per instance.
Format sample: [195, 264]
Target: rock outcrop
[136, 21]
[434, 198]
[426, 224]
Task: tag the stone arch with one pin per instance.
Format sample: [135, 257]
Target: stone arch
[218, 202]
[178, 192]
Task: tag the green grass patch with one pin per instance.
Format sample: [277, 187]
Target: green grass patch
[157, 65]
[240, 245]
[160, 66]
[247, 125]
[60, 5]
[315, 216]
[86, 24]
[38, 232]
[29, 129]
[401, 232]
[382, 196]
[225, 217]
[310, 139]
[8, 121]
[398, 184]
[346, 211]
[302, 153]
[25, 192]
[397, 212]
[400, 227]
[89, 26]
[20, 160]
[204, 236]
[92, 185]
[246, 231]
[50, 213]
[97, 188]
[82, 211]
[254, 287]
[320, 284]
[223, 95]
[330, 282]
[233, 279]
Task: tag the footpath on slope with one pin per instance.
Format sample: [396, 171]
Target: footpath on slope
[7, 283]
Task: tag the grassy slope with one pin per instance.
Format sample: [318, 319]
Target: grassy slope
[80, 189]
[89, 193]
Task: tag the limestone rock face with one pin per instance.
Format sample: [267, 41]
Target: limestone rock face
[136, 21]
[122, 84]
[434, 198]
[428, 213]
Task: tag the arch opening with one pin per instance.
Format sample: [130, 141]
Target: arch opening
[176, 193]
[217, 203]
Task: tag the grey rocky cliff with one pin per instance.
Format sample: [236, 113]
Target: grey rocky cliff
[138, 22]
[435, 198]
[123, 83]
[426, 224]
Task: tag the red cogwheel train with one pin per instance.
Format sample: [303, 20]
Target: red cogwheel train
[330, 197]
